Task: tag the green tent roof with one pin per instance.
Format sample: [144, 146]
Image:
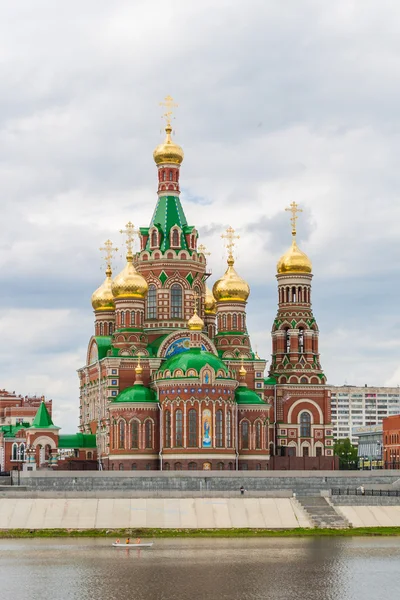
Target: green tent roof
[77, 440]
[245, 396]
[42, 419]
[194, 359]
[136, 393]
[168, 212]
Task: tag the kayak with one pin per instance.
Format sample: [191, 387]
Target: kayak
[149, 545]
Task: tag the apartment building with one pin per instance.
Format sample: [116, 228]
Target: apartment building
[354, 407]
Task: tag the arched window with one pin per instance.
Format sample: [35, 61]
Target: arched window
[14, 452]
[89, 455]
[230, 466]
[178, 429]
[175, 241]
[245, 435]
[301, 340]
[110, 328]
[133, 323]
[167, 429]
[220, 466]
[135, 434]
[293, 294]
[101, 328]
[305, 424]
[152, 302]
[21, 452]
[122, 318]
[234, 321]
[258, 467]
[192, 428]
[166, 466]
[192, 466]
[148, 434]
[218, 429]
[176, 301]
[258, 435]
[224, 321]
[121, 467]
[229, 429]
[154, 239]
[164, 176]
[121, 434]
[178, 466]
[170, 175]
[287, 340]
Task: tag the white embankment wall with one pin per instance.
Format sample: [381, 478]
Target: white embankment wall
[166, 513]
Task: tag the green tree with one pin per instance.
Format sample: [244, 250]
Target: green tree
[347, 453]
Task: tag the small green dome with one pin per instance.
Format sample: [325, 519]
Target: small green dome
[245, 396]
[136, 393]
[194, 359]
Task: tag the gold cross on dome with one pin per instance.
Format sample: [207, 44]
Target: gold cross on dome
[229, 236]
[196, 300]
[203, 250]
[130, 233]
[294, 209]
[108, 252]
[169, 104]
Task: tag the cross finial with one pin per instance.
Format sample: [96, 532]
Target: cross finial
[202, 249]
[108, 253]
[294, 209]
[169, 104]
[230, 236]
[130, 233]
[196, 300]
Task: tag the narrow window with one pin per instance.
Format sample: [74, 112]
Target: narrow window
[229, 429]
[164, 175]
[287, 340]
[258, 435]
[175, 238]
[301, 340]
[121, 434]
[110, 328]
[121, 467]
[152, 302]
[305, 424]
[135, 434]
[166, 466]
[15, 452]
[178, 429]
[218, 429]
[148, 431]
[154, 239]
[101, 328]
[245, 435]
[220, 466]
[178, 466]
[192, 428]
[224, 321]
[192, 466]
[318, 451]
[176, 301]
[168, 429]
[133, 318]
[234, 321]
[170, 175]
[122, 318]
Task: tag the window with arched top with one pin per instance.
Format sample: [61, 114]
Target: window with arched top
[101, 328]
[164, 176]
[133, 319]
[192, 442]
[167, 429]
[176, 301]
[122, 315]
[192, 466]
[220, 466]
[229, 429]
[21, 452]
[148, 434]
[258, 435]
[301, 340]
[170, 175]
[305, 424]
[154, 239]
[218, 429]
[178, 429]
[14, 452]
[244, 434]
[287, 340]
[178, 466]
[224, 321]
[167, 466]
[110, 328]
[121, 434]
[152, 302]
[175, 238]
[234, 321]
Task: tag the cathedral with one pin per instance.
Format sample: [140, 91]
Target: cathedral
[171, 380]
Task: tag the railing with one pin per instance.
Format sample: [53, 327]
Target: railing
[363, 492]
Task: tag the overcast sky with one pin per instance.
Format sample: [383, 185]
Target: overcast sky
[278, 101]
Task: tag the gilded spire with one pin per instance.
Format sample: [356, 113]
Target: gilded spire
[294, 260]
[242, 370]
[168, 151]
[138, 371]
[195, 322]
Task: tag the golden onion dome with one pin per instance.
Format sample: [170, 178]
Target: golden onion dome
[231, 287]
[129, 283]
[168, 151]
[102, 298]
[195, 322]
[210, 305]
[294, 261]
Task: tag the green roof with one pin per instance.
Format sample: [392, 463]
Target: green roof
[10, 431]
[77, 440]
[136, 393]
[155, 344]
[169, 212]
[103, 345]
[270, 381]
[42, 419]
[194, 359]
[245, 396]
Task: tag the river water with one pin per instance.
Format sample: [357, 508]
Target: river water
[200, 569]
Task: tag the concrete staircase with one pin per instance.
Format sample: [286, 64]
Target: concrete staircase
[321, 513]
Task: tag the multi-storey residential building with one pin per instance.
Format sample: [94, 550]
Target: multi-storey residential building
[353, 407]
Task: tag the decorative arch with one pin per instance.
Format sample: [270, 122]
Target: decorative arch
[306, 401]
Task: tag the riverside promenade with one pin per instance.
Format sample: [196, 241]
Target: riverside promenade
[198, 500]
